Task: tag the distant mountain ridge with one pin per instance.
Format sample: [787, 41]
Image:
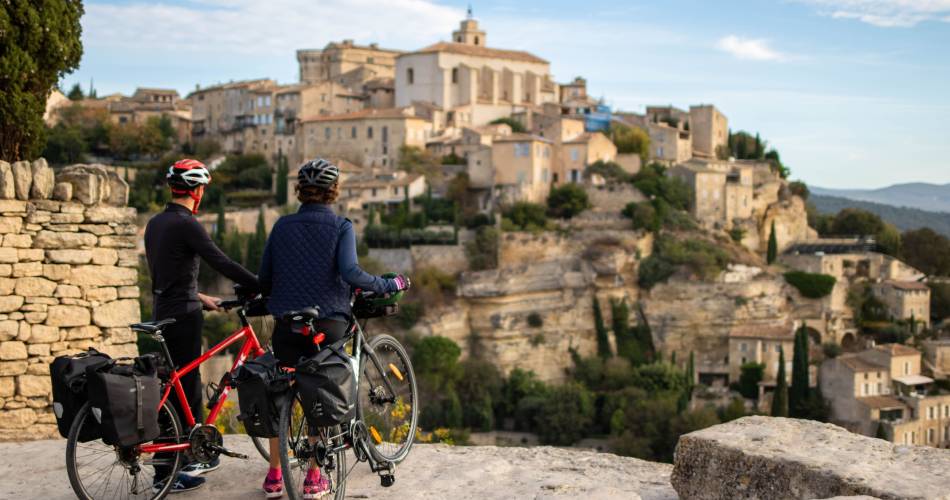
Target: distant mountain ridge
[902, 217]
[919, 195]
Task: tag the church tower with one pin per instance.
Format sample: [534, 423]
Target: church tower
[468, 32]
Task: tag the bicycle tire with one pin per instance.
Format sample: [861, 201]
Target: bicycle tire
[378, 344]
[290, 436]
[72, 444]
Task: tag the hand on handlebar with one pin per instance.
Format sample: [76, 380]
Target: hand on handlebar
[402, 283]
[209, 303]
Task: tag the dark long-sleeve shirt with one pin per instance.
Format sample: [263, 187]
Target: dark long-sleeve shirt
[174, 242]
[310, 260]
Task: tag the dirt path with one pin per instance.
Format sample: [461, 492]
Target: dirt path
[36, 470]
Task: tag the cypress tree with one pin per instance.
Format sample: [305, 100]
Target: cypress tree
[773, 246]
[780, 398]
[798, 396]
[603, 340]
[255, 244]
[220, 227]
[691, 369]
[282, 171]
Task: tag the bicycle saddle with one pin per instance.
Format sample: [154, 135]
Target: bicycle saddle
[151, 327]
[305, 314]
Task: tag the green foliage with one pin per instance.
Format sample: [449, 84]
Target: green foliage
[452, 159]
[516, 126]
[653, 182]
[482, 251]
[780, 397]
[383, 236]
[736, 234]
[800, 392]
[416, 160]
[772, 253]
[745, 146]
[521, 398]
[903, 218]
[858, 222]
[75, 93]
[643, 214]
[567, 200]
[630, 140]
[659, 377]
[939, 300]
[39, 44]
[702, 258]
[735, 410]
[283, 171]
[535, 320]
[256, 244]
[565, 415]
[631, 344]
[654, 269]
[437, 210]
[830, 350]
[481, 388]
[603, 340]
[526, 216]
[811, 285]
[65, 145]
[800, 189]
[220, 227]
[435, 362]
[926, 250]
[409, 314]
[750, 375]
[609, 170]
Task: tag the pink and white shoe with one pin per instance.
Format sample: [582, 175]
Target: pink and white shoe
[316, 485]
[273, 484]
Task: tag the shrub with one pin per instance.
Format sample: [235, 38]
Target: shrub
[750, 376]
[643, 215]
[409, 314]
[435, 361]
[703, 258]
[535, 321]
[566, 414]
[482, 251]
[654, 270]
[527, 216]
[609, 170]
[831, 350]
[737, 233]
[567, 201]
[811, 285]
[516, 126]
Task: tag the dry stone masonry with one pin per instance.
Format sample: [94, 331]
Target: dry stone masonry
[68, 281]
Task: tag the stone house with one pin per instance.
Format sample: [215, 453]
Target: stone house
[722, 191]
[145, 103]
[341, 61]
[576, 154]
[709, 129]
[225, 110]
[383, 190]
[761, 344]
[905, 299]
[380, 93]
[370, 137]
[883, 387]
[669, 145]
[463, 141]
[472, 83]
[937, 357]
[521, 167]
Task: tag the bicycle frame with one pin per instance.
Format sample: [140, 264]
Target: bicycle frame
[251, 345]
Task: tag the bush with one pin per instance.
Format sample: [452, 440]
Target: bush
[379, 236]
[409, 314]
[516, 126]
[482, 251]
[653, 182]
[527, 216]
[643, 215]
[535, 321]
[750, 376]
[811, 285]
[609, 170]
[435, 362]
[565, 415]
[654, 270]
[567, 201]
[736, 234]
[478, 220]
[831, 350]
[704, 259]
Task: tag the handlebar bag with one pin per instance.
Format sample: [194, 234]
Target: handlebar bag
[125, 400]
[263, 388]
[327, 387]
[68, 377]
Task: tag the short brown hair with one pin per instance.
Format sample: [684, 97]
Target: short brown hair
[313, 194]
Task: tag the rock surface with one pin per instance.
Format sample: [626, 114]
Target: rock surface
[780, 458]
[430, 472]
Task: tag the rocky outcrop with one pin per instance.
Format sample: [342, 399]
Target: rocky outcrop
[67, 282]
[780, 458]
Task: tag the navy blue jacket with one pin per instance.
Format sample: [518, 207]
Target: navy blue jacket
[310, 260]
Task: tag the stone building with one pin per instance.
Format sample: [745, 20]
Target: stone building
[462, 142]
[521, 164]
[905, 300]
[370, 137]
[472, 83]
[881, 391]
[937, 357]
[69, 281]
[722, 191]
[574, 155]
[222, 112]
[761, 344]
[346, 63]
[668, 128]
[709, 128]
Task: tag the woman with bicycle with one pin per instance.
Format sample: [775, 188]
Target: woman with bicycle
[310, 260]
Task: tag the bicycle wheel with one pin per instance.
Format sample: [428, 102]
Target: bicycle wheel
[390, 416]
[100, 471]
[299, 451]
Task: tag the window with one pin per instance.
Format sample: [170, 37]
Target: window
[866, 391]
[455, 75]
[743, 346]
[374, 191]
[544, 175]
[930, 435]
[865, 375]
[575, 154]
[370, 60]
[385, 134]
[930, 413]
[522, 149]
[879, 388]
[326, 133]
[339, 133]
[476, 40]
[575, 175]
[410, 76]
[369, 132]
[906, 368]
[395, 190]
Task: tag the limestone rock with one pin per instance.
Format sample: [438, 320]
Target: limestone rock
[56, 272]
[69, 256]
[110, 241]
[83, 332]
[33, 386]
[17, 419]
[118, 191]
[27, 269]
[17, 240]
[117, 313]
[43, 334]
[103, 276]
[102, 214]
[7, 285]
[8, 329]
[12, 350]
[781, 458]
[22, 179]
[7, 189]
[10, 225]
[43, 180]
[8, 368]
[63, 191]
[9, 255]
[10, 303]
[104, 256]
[35, 287]
[119, 335]
[30, 254]
[67, 291]
[90, 182]
[7, 387]
[52, 239]
[68, 316]
[102, 294]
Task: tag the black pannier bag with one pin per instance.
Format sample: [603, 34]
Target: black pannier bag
[68, 377]
[327, 387]
[262, 390]
[125, 400]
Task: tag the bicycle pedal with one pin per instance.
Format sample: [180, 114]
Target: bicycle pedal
[226, 452]
[387, 480]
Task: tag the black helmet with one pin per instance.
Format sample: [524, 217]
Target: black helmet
[317, 173]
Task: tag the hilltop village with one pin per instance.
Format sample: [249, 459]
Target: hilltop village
[546, 230]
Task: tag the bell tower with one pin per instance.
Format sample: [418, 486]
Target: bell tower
[468, 32]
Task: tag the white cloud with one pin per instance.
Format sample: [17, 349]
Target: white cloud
[756, 49]
[885, 13]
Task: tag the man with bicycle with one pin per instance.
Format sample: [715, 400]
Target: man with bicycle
[174, 242]
[310, 260]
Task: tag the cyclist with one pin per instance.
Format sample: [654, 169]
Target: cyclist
[310, 260]
[174, 241]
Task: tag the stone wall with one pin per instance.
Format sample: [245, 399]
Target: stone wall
[68, 281]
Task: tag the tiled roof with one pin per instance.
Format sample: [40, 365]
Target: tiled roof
[364, 182]
[480, 51]
[912, 286]
[520, 138]
[882, 402]
[858, 364]
[366, 114]
[897, 349]
[762, 332]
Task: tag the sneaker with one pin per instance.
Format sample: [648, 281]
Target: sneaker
[195, 469]
[273, 484]
[182, 484]
[316, 485]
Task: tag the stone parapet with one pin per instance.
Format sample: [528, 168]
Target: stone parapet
[68, 281]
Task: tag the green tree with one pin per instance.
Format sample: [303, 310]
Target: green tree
[516, 126]
[603, 340]
[566, 415]
[282, 172]
[926, 250]
[691, 369]
[435, 362]
[780, 398]
[799, 393]
[75, 93]
[482, 251]
[39, 43]
[527, 216]
[220, 227]
[65, 145]
[750, 375]
[255, 245]
[567, 201]
[773, 246]
[631, 140]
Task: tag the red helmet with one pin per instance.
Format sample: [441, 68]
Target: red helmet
[185, 176]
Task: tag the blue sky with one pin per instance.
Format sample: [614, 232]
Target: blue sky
[853, 93]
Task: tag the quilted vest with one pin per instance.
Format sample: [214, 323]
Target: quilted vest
[303, 250]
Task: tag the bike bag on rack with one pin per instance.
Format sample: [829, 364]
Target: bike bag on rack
[125, 398]
[327, 386]
[68, 377]
[262, 390]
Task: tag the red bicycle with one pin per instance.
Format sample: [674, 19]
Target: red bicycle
[99, 471]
